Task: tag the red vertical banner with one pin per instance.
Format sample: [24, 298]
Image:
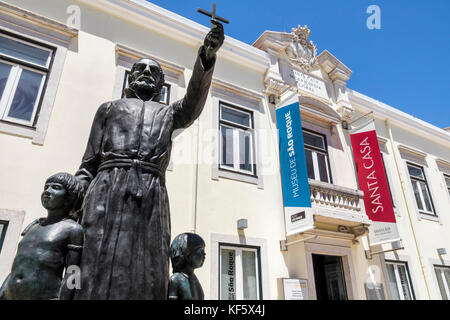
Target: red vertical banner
[373, 182]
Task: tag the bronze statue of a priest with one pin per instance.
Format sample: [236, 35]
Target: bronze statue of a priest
[125, 213]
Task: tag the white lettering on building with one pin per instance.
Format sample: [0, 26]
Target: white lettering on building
[373, 185]
[291, 152]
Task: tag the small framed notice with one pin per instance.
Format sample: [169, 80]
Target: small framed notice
[295, 289]
[374, 291]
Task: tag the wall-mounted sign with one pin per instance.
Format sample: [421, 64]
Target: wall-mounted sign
[295, 289]
[310, 84]
[294, 176]
[374, 291]
[304, 81]
[372, 180]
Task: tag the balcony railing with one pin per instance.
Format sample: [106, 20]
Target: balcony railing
[338, 202]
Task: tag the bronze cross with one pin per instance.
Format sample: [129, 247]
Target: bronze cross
[212, 14]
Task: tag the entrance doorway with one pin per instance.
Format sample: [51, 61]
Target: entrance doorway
[329, 277]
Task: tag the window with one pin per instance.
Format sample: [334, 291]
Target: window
[399, 281]
[24, 67]
[389, 185]
[236, 140]
[447, 182]
[443, 278]
[239, 273]
[420, 188]
[316, 156]
[3, 228]
[165, 91]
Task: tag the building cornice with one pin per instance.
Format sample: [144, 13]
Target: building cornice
[129, 55]
[333, 66]
[385, 112]
[382, 140]
[238, 90]
[37, 24]
[412, 151]
[273, 41]
[150, 16]
[443, 162]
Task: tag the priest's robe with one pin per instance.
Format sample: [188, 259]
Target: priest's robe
[125, 212]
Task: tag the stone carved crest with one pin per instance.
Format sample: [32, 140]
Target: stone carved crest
[300, 51]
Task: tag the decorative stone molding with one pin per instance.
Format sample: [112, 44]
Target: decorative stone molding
[346, 112]
[300, 51]
[359, 231]
[232, 89]
[443, 165]
[326, 194]
[412, 151]
[314, 108]
[382, 140]
[337, 205]
[333, 67]
[126, 56]
[24, 21]
[338, 73]
[275, 87]
[412, 155]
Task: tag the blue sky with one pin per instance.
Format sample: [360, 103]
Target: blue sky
[405, 64]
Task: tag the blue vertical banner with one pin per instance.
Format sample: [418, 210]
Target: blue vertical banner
[294, 176]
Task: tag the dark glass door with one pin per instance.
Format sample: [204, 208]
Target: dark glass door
[329, 277]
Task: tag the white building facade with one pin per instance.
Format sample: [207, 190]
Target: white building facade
[224, 177]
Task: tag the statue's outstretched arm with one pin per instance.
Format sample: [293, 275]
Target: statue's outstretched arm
[188, 109]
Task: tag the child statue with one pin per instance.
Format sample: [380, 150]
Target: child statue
[48, 246]
[187, 253]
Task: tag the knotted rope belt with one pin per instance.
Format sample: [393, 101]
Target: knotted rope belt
[134, 175]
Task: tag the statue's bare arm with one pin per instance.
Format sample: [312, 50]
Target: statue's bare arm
[73, 258]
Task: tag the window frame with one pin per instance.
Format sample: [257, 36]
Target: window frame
[387, 178]
[3, 232]
[444, 281]
[238, 270]
[236, 128]
[16, 70]
[446, 176]
[314, 150]
[398, 280]
[425, 181]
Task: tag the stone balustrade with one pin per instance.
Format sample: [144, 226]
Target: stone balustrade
[332, 196]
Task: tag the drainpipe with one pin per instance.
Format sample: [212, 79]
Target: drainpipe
[195, 195]
[398, 165]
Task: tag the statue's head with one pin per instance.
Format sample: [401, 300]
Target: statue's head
[62, 190]
[187, 249]
[146, 79]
